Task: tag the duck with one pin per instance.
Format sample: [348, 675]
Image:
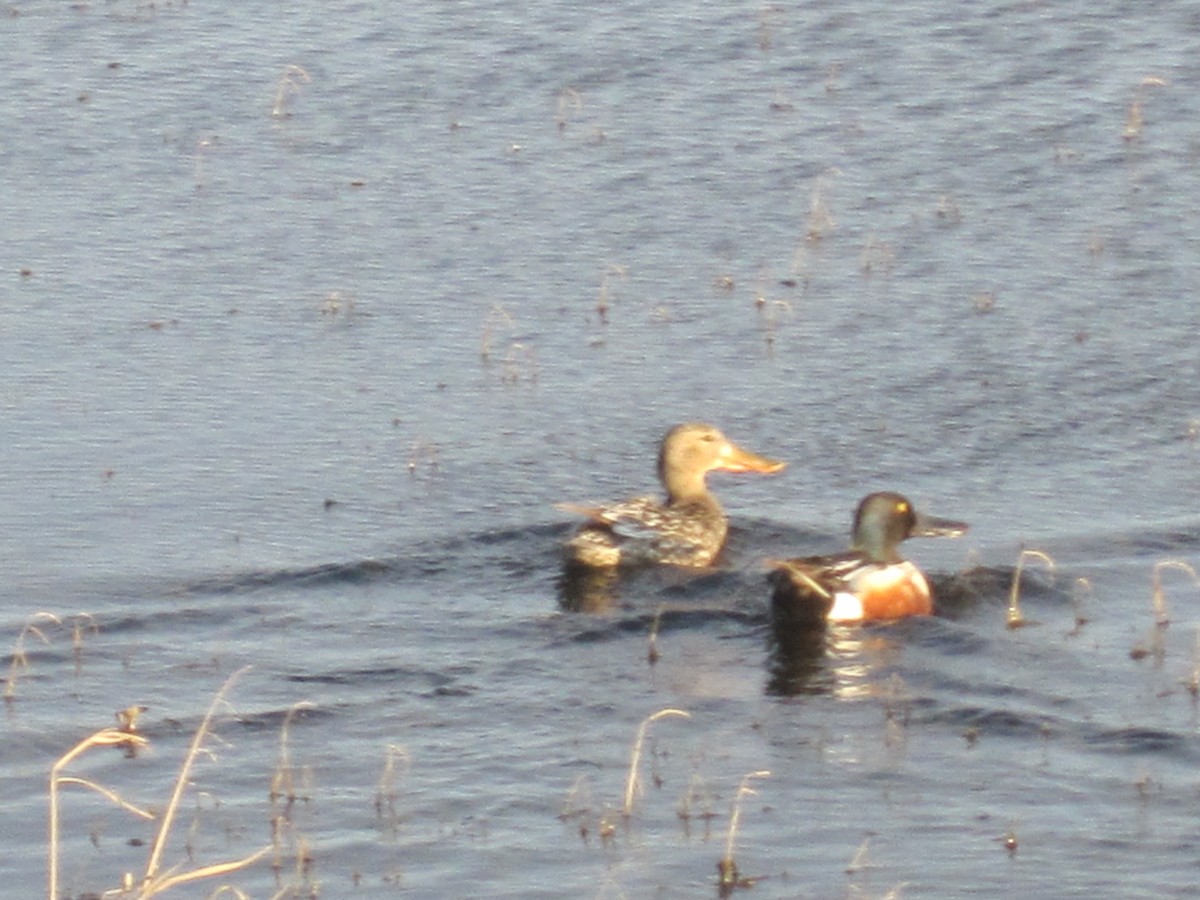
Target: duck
[871, 581]
[688, 528]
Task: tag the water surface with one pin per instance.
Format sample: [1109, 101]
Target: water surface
[300, 392]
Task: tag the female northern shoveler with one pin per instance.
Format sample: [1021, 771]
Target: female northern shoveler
[870, 581]
[689, 529]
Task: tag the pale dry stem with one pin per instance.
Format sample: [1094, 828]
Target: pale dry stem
[633, 783]
[1162, 615]
[106, 737]
[1014, 617]
[744, 790]
[289, 84]
[181, 782]
[20, 662]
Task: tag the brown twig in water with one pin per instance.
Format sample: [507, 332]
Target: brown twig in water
[652, 650]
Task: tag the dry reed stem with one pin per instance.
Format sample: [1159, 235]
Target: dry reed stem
[578, 800]
[632, 784]
[1134, 118]
[153, 883]
[744, 790]
[422, 452]
[198, 173]
[497, 313]
[283, 781]
[520, 359]
[78, 629]
[1014, 617]
[385, 791]
[876, 255]
[569, 101]
[1192, 682]
[20, 662]
[168, 881]
[1081, 591]
[289, 83]
[859, 861]
[109, 794]
[1162, 615]
[603, 297]
[106, 737]
[181, 782]
[697, 791]
[820, 222]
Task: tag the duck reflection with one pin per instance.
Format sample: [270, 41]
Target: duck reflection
[588, 589]
[842, 660]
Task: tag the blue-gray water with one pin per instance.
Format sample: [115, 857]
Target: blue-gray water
[300, 391]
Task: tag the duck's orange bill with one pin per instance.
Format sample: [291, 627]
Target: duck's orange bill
[734, 459]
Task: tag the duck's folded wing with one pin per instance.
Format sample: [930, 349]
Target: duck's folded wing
[822, 576]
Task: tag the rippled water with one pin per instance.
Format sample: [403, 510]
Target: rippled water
[299, 391]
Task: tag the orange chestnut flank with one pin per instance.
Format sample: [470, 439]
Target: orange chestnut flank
[688, 528]
[871, 580]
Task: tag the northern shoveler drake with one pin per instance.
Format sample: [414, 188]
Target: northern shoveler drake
[869, 581]
[689, 528]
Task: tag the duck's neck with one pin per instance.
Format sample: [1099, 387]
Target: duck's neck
[877, 550]
[686, 487]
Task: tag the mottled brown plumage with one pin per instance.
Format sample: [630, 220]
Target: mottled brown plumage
[688, 528]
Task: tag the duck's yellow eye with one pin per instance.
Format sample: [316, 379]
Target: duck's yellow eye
[902, 507]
